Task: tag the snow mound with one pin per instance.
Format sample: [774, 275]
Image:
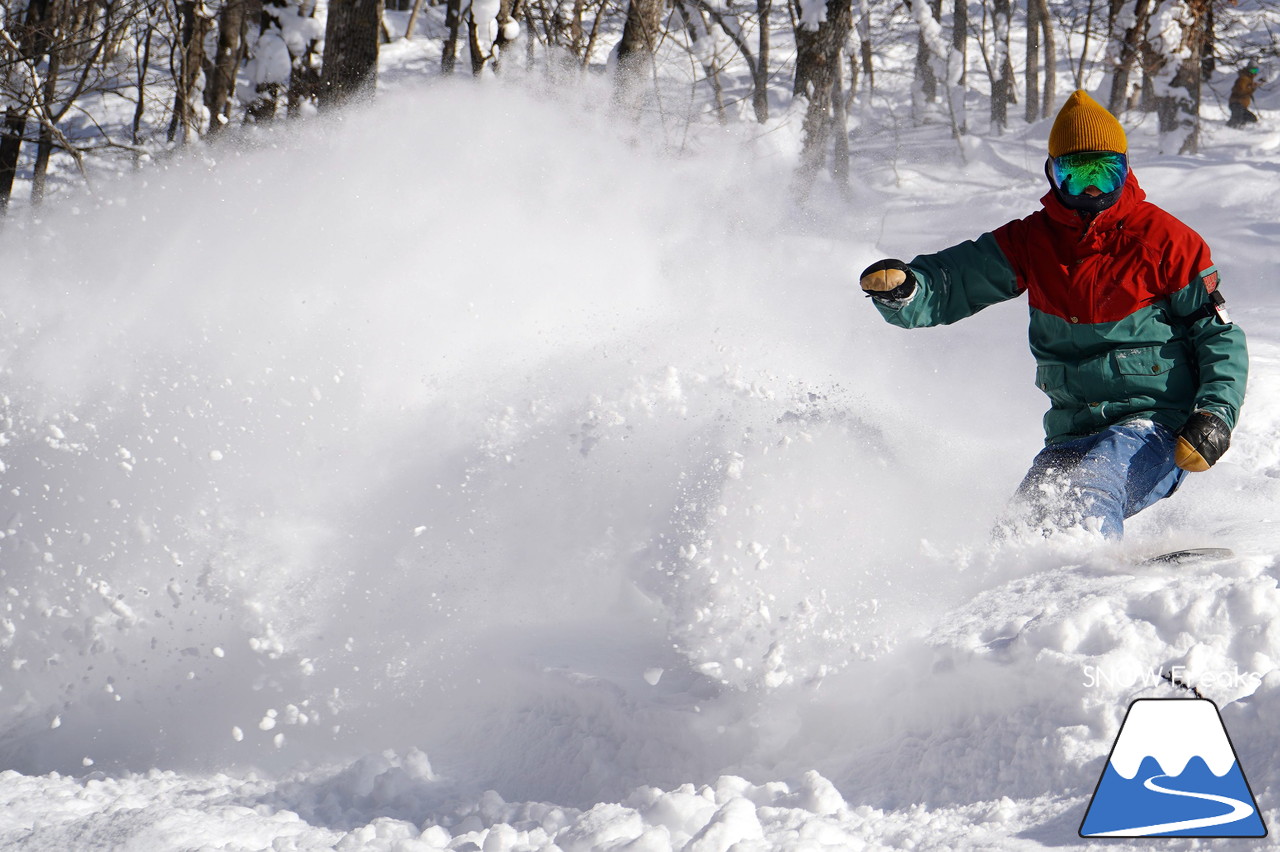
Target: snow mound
[356, 810]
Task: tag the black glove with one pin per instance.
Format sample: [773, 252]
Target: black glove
[888, 280]
[1201, 441]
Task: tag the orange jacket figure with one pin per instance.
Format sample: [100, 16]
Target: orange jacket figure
[1246, 84]
[1241, 96]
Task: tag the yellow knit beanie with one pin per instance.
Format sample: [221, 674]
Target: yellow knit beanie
[1083, 124]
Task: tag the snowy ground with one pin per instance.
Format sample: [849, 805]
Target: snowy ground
[522, 486]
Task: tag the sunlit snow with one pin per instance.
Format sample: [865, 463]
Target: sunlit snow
[482, 471]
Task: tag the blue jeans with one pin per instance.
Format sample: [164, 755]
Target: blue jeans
[1103, 478]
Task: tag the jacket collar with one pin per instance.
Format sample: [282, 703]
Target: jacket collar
[1130, 198]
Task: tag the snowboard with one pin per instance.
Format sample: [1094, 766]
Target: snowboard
[1193, 554]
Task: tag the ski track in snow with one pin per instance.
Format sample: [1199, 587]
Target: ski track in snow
[579, 502]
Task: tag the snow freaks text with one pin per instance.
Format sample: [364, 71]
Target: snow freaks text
[1127, 676]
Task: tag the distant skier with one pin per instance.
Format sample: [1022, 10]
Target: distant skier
[1241, 98]
[1144, 369]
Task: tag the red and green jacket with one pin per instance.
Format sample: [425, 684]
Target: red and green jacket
[1121, 322]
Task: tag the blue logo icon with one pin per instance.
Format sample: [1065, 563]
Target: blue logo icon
[1173, 773]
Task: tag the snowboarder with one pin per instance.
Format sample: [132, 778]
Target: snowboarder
[1242, 90]
[1144, 369]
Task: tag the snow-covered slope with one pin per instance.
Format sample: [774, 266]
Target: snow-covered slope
[526, 484]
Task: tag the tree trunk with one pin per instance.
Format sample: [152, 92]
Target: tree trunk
[226, 62]
[839, 128]
[185, 121]
[350, 68]
[926, 77]
[139, 109]
[1208, 62]
[957, 62]
[474, 50]
[1050, 58]
[15, 125]
[305, 68]
[1032, 112]
[695, 29]
[1178, 105]
[817, 69]
[453, 20]
[865, 50]
[509, 12]
[1084, 48]
[1002, 68]
[40, 170]
[1130, 47]
[413, 20]
[760, 94]
[33, 38]
[575, 27]
[48, 95]
[640, 36]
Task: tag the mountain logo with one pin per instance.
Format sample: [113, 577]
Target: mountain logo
[1173, 773]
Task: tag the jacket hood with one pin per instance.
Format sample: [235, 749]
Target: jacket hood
[1130, 198]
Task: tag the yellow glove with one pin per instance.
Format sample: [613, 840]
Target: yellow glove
[1201, 442]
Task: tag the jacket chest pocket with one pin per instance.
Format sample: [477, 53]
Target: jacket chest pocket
[1144, 362]
[1155, 376]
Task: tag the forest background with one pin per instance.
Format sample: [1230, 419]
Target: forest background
[93, 86]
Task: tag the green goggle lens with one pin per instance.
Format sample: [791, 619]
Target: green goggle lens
[1074, 173]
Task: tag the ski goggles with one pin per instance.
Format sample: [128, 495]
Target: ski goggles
[1074, 173]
